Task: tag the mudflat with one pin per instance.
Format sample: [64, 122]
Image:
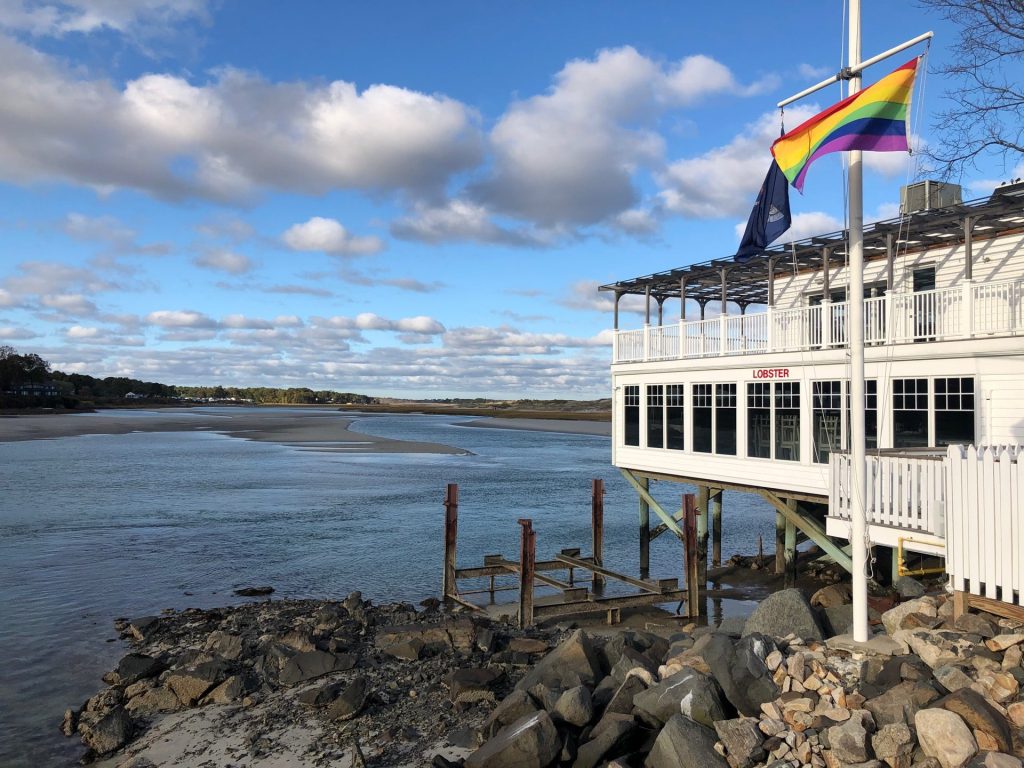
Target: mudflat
[567, 426]
[318, 430]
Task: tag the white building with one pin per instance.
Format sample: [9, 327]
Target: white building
[753, 393]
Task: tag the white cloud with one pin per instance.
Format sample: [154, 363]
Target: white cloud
[63, 17]
[895, 164]
[324, 235]
[224, 260]
[185, 318]
[459, 221]
[69, 304]
[14, 333]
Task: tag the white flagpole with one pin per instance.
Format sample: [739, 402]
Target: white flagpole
[855, 303]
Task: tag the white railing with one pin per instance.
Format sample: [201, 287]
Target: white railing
[985, 521]
[905, 492]
[968, 311]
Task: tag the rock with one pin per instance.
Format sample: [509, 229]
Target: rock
[611, 735]
[225, 645]
[69, 724]
[631, 660]
[527, 645]
[300, 640]
[783, 613]
[464, 737]
[894, 744]
[622, 700]
[900, 703]
[682, 742]
[742, 740]
[832, 596]
[134, 667]
[107, 733]
[233, 689]
[351, 701]
[908, 587]
[459, 634]
[516, 705]
[944, 736]
[1016, 714]
[1002, 642]
[690, 693]
[530, 742]
[574, 662]
[310, 665]
[893, 618]
[998, 686]
[407, 651]
[152, 701]
[254, 591]
[849, 741]
[466, 686]
[321, 695]
[144, 628]
[952, 678]
[575, 707]
[994, 760]
[920, 621]
[974, 710]
[191, 685]
[741, 671]
[976, 625]
[935, 647]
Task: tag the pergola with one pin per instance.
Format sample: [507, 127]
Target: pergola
[753, 282]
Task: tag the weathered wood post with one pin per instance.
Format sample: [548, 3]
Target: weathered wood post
[451, 532]
[703, 494]
[645, 531]
[790, 546]
[716, 528]
[692, 566]
[780, 543]
[527, 564]
[597, 527]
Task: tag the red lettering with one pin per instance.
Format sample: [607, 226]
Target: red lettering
[771, 373]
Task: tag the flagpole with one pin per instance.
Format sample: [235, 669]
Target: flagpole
[855, 303]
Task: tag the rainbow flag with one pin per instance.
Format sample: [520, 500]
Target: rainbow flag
[874, 120]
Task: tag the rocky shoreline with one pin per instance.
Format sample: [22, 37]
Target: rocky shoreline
[326, 683]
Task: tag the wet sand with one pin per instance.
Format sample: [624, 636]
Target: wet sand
[316, 430]
[567, 426]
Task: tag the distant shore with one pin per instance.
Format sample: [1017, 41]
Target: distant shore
[317, 430]
[566, 426]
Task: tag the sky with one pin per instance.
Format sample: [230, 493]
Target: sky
[397, 198]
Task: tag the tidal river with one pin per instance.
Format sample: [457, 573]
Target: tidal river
[99, 526]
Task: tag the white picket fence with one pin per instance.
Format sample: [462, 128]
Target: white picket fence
[985, 521]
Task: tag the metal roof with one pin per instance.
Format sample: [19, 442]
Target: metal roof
[747, 282]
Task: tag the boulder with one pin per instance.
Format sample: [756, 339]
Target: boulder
[622, 699]
[134, 667]
[611, 735]
[153, 700]
[783, 613]
[529, 742]
[516, 705]
[574, 662]
[144, 628]
[892, 619]
[309, 665]
[952, 678]
[849, 741]
[741, 671]
[743, 741]
[1002, 642]
[944, 736]
[974, 710]
[191, 685]
[936, 647]
[690, 693]
[975, 624]
[528, 645]
[909, 588]
[575, 707]
[683, 742]
[833, 595]
[410, 650]
[994, 760]
[225, 645]
[105, 734]
[254, 591]
[900, 703]
[894, 744]
[321, 695]
[467, 686]
[351, 701]
[233, 689]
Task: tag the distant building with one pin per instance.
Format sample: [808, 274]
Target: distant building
[36, 389]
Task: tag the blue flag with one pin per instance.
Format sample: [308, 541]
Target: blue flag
[770, 217]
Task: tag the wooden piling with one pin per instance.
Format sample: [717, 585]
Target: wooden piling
[597, 527]
[703, 494]
[715, 503]
[527, 566]
[780, 543]
[789, 554]
[692, 567]
[645, 532]
[451, 530]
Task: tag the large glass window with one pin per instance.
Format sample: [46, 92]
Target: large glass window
[703, 416]
[674, 411]
[631, 414]
[759, 420]
[870, 415]
[725, 419]
[787, 420]
[910, 413]
[655, 416]
[828, 419]
[954, 411]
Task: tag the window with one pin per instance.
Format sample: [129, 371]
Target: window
[655, 416]
[827, 399]
[787, 420]
[759, 420]
[725, 419]
[631, 415]
[910, 413]
[703, 417]
[674, 410]
[870, 414]
[954, 411]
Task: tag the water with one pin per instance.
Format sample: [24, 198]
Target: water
[96, 527]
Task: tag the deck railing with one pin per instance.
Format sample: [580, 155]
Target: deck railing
[969, 311]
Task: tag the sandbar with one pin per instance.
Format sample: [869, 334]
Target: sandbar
[308, 429]
[566, 426]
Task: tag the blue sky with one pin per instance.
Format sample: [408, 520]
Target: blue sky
[397, 198]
